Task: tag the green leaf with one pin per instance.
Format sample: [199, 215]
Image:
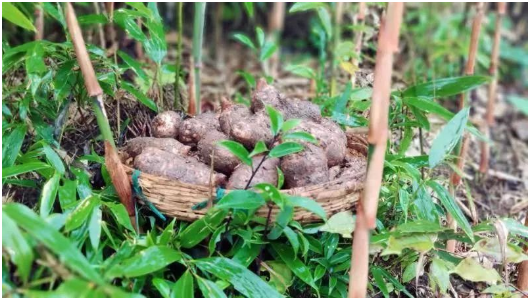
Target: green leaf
[471, 270]
[267, 51]
[67, 252]
[514, 227]
[249, 8]
[410, 272]
[17, 247]
[303, 6]
[12, 143]
[286, 148]
[446, 87]
[200, 229]
[94, 227]
[80, 214]
[281, 178]
[380, 281]
[342, 223]
[293, 239]
[91, 19]
[209, 289]
[404, 202]
[245, 40]
[417, 242]
[163, 287]
[325, 19]
[121, 215]
[439, 274]
[308, 204]
[139, 96]
[280, 275]
[258, 149]
[241, 199]
[53, 159]
[448, 137]
[406, 141]
[243, 280]
[302, 71]
[146, 261]
[251, 81]
[48, 195]
[491, 248]
[520, 103]
[140, 7]
[260, 36]
[394, 282]
[246, 255]
[184, 287]
[134, 65]
[155, 46]
[23, 168]
[11, 13]
[300, 135]
[216, 237]
[276, 119]
[238, 150]
[290, 124]
[419, 226]
[296, 265]
[450, 205]
[126, 19]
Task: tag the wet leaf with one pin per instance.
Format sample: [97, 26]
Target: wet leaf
[299, 269]
[471, 270]
[238, 150]
[243, 280]
[11, 144]
[48, 195]
[258, 149]
[410, 272]
[342, 223]
[23, 168]
[209, 289]
[300, 135]
[135, 65]
[200, 229]
[184, 287]
[448, 137]
[119, 212]
[276, 119]
[80, 214]
[94, 227]
[380, 281]
[163, 286]
[267, 51]
[146, 261]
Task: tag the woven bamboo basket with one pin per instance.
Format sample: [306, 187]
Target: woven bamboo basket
[177, 199]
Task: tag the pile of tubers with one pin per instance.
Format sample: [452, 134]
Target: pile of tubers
[187, 150]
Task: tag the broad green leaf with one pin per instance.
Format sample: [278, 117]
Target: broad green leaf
[260, 36]
[342, 223]
[308, 204]
[126, 19]
[439, 274]
[12, 143]
[448, 137]
[16, 246]
[238, 150]
[91, 19]
[11, 13]
[290, 124]
[449, 203]
[209, 289]
[23, 168]
[249, 8]
[94, 227]
[48, 195]
[184, 287]
[241, 199]
[325, 19]
[146, 261]
[286, 148]
[245, 40]
[258, 149]
[404, 202]
[300, 135]
[163, 287]
[293, 239]
[243, 280]
[471, 270]
[267, 51]
[139, 96]
[424, 204]
[446, 87]
[515, 227]
[276, 120]
[380, 281]
[418, 242]
[395, 282]
[299, 269]
[80, 214]
[135, 65]
[302, 71]
[54, 159]
[67, 252]
[281, 178]
[303, 6]
[281, 276]
[410, 272]
[140, 7]
[419, 226]
[200, 229]
[51, 9]
[120, 213]
[406, 140]
[491, 248]
[272, 193]
[155, 46]
[216, 237]
[520, 103]
[247, 254]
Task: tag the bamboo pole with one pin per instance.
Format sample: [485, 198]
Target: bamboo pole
[462, 148]
[192, 108]
[198, 32]
[178, 63]
[388, 41]
[39, 22]
[358, 42]
[339, 9]
[117, 173]
[276, 21]
[492, 91]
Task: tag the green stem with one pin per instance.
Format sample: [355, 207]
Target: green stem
[101, 117]
[198, 30]
[178, 100]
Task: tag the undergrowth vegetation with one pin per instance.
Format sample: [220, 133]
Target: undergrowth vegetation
[66, 234]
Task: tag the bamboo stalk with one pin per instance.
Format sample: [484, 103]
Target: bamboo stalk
[377, 138]
[101, 35]
[192, 109]
[138, 45]
[39, 22]
[117, 173]
[492, 92]
[358, 40]
[198, 31]
[276, 21]
[339, 9]
[178, 101]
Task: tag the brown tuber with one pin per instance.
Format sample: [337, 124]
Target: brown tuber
[307, 167]
[182, 168]
[267, 173]
[135, 146]
[224, 161]
[192, 130]
[244, 127]
[166, 125]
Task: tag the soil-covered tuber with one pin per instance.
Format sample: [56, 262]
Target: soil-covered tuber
[307, 167]
[267, 173]
[135, 146]
[224, 161]
[192, 130]
[242, 126]
[182, 168]
[166, 125]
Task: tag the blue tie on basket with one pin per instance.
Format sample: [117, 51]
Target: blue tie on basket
[219, 193]
[138, 191]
